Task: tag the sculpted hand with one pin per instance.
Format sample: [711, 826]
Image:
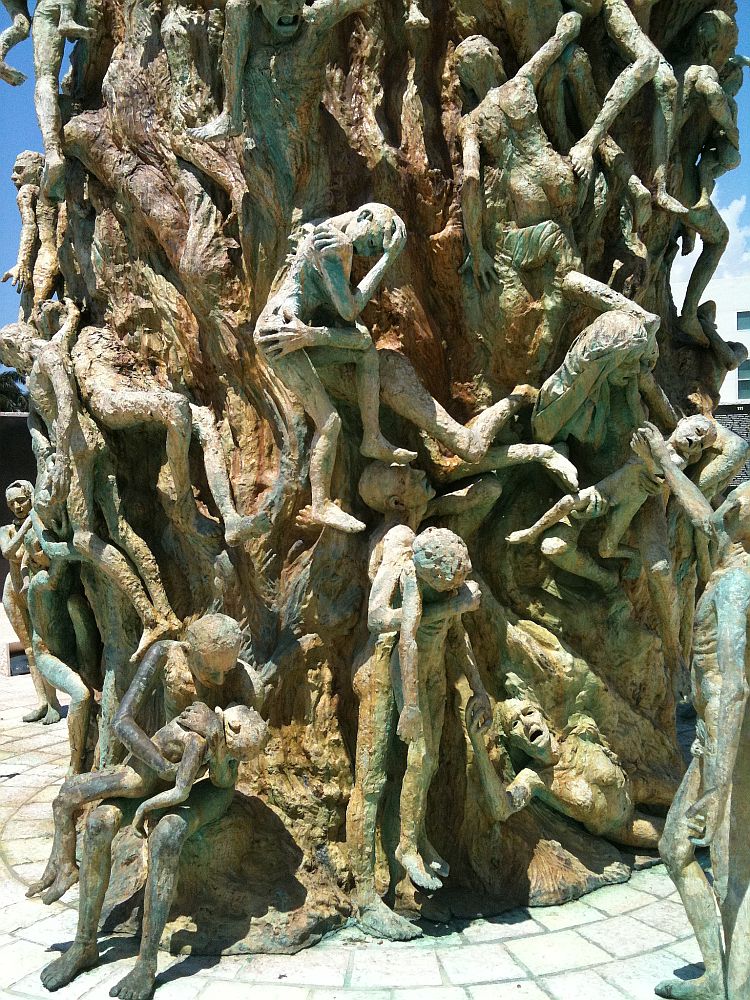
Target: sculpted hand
[139, 820]
[198, 718]
[479, 713]
[167, 771]
[598, 505]
[484, 269]
[410, 724]
[293, 335]
[394, 240]
[704, 818]
[18, 276]
[569, 26]
[329, 241]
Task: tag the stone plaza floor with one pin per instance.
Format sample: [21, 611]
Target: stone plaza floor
[617, 942]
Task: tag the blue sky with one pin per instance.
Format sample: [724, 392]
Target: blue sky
[22, 133]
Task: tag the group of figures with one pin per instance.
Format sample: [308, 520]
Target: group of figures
[509, 536]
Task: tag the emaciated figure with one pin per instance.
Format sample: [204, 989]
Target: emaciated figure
[19, 497]
[315, 288]
[20, 27]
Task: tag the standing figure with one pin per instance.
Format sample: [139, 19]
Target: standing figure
[20, 27]
[712, 807]
[315, 288]
[648, 65]
[54, 22]
[37, 268]
[435, 574]
[19, 496]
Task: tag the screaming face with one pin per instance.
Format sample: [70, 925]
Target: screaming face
[284, 17]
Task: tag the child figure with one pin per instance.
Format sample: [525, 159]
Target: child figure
[197, 742]
[430, 617]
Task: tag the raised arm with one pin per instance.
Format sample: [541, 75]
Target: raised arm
[568, 29]
[480, 701]
[20, 276]
[11, 542]
[707, 84]
[126, 728]
[479, 261]
[697, 509]
[188, 772]
[596, 295]
[52, 547]
[326, 14]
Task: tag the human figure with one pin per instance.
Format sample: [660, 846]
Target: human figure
[711, 808]
[191, 745]
[64, 638]
[316, 283]
[405, 498]
[18, 497]
[647, 65]
[439, 565]
[19, 30]
[65, 437]
[284, 40]
[121, 392]
[703, 94]
[195, 669]
[54, 22]
[37, 268]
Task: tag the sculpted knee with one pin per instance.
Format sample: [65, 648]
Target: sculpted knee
[168, 837]
[554, 548]
[102, 824]
[332, 426]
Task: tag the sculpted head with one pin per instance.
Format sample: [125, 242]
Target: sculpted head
[19, 347]
[734, 514]
[692, 436]
[27, 169]
[246, 734]
[213, 644]
[284, 17]
[479, 66]
[715, 37]
[525, 723]
[441, 559]
[368, 227]
[388, 488]
[18, 498]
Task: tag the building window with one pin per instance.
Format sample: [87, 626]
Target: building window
[743, 383]
[743, 321]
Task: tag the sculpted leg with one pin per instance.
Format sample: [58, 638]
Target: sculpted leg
[665, 85]
[715, 236]
[49, 47]
[560, 546]
[68, 27]
[47, 703]
[374, 445]
[235, 51]
[65, 679]
[18, 31]
[678, 855]
[101, 828]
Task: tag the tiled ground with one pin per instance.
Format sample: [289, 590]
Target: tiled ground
[616, 943]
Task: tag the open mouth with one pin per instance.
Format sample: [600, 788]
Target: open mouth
[536, 735]
[288, 23]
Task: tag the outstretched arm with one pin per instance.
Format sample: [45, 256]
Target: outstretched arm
[10, 543]
[596, 295]
[126, 728]
[479, 260]
[723, 462]
[20, 276]
[480, 701]
[568, 29]
[410, 720]
[188, 772]
[697, 509]
[326, 14]
[708, 86]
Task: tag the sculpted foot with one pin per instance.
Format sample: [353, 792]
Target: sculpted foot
[37, 715]
[641, 199]
[50, 873]
[63, 970]
[218, 128]
[73, 31]
[383, 451]
[12, 76]
[52, 716]
[377, 919]
[705, 988]
[137, 985]
[527, 536]
[53, 176]
[65, 877]
[668, 203]
[582, 158]
[330, 516]
[416, 870]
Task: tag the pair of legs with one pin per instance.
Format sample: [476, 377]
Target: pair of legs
[48, 707]
[125, 408]
[678, 854]
[234, 55]
[376, 734]
[206, 804]
[714, 233]
[647, 65]
[54, 21]
[297, 372]
[422, 862]
[20, 27]
[121, 781]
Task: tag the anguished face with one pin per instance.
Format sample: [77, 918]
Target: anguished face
[692, 436]
[19, 502]
[529, 731]
[368, 228]
[284, 17]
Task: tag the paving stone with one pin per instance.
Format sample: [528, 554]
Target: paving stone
[386, 967]
[23, 829]
[20, 957]
[431, 993]
[616, 899]
[60, 928]
[653, 880]
[245, 991]
[688, 950]
[328, 969]
[508, 991]
[665, 915]
[23, 913]
[517, 923]
[479, 963]
[637, 977]
[560, 918]
[559, 952]
[624, 936]
[581, 986]
[348, 994]
[21, 852]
